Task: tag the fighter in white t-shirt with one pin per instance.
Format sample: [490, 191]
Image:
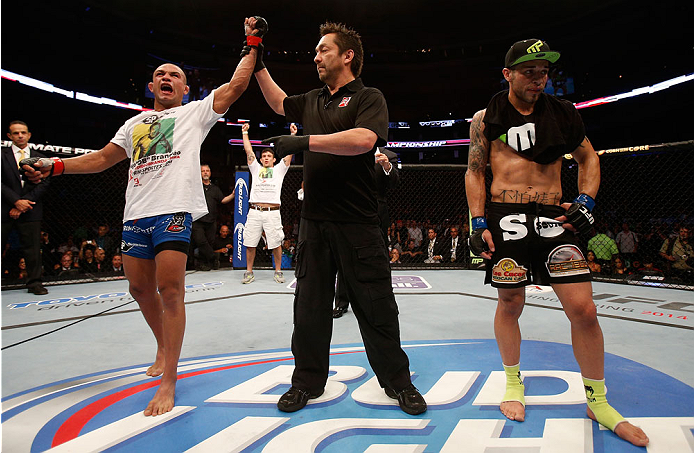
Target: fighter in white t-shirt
[264, 205]
[163, 197]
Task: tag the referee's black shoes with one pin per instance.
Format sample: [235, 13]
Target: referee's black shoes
[409, 399]
[295, 399]
[37, 288]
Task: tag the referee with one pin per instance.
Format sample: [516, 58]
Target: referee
[344, 122]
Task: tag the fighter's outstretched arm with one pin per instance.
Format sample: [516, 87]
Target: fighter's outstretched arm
[106, 157]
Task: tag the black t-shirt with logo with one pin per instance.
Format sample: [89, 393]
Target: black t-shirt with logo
[553, 129]
[340, 188]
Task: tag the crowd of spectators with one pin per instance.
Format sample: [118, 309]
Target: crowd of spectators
[654, 251]
[85, 253]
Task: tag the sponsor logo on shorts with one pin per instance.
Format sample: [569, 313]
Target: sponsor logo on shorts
[566, 260]
[508, 271]
[137, 229]
[127, 246]
[548, 228]
[176, 223]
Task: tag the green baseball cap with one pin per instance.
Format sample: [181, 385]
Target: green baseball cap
[530, 49]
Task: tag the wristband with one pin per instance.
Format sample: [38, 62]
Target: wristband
[244, 132]
[58, 166]
[585, 200]
[253, 40]
[479, 223]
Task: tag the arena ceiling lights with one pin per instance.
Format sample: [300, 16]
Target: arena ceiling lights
[45, 86]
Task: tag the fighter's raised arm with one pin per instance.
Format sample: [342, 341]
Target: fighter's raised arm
[255, 28]
[250, 155]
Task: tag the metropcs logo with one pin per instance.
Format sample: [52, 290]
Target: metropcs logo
[228, 403]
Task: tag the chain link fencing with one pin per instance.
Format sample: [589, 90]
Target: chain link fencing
[643, 216]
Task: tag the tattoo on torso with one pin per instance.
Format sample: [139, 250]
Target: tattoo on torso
[515, 196]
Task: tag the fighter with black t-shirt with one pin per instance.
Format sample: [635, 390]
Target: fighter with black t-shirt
[529, 235]
[345, 122]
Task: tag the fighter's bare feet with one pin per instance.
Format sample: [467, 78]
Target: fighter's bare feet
[513, 410]
[163, 400]
[157, 367]
[626, 431]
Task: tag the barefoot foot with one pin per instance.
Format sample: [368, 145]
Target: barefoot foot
[163, 400]
[157, 367]
[626, 431]
[513, 410]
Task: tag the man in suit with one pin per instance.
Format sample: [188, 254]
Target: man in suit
[433, 248]
[21, 203]
[456, 250]
[387, 177]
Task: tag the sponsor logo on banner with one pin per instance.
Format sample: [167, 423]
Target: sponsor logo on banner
[229, 403]
[398, 281]
[566, 260]
[508, 271]
[102, 298]
[240, 216]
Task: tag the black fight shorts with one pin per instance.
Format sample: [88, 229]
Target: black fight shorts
[532, 248]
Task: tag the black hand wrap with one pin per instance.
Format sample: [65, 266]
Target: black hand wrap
[288, 144]
[580, 217]
[477, 243]
[259, 65]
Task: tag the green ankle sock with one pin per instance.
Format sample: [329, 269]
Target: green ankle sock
[515, 390]
[604, 413]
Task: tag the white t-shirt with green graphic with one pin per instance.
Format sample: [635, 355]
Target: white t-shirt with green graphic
[266, 183]
[164, 151]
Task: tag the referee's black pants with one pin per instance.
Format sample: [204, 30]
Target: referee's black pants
[358, 252]
[30, 240]
[202, 237]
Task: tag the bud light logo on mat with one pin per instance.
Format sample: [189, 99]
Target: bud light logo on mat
[228, 403]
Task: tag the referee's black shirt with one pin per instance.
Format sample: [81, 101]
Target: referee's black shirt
[340, 188]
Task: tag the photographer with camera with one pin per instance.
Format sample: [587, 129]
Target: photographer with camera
[86, 261]
[679, 255]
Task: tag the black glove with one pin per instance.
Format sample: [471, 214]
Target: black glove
[477, 243]
[288, 144]
[45, 163]
[580, 217]
[255, 40]
[259, 65]
[261, 26]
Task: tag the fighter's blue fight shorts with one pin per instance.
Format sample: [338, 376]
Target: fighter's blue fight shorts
[144, 238]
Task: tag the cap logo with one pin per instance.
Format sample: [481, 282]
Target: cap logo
[535, 47]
